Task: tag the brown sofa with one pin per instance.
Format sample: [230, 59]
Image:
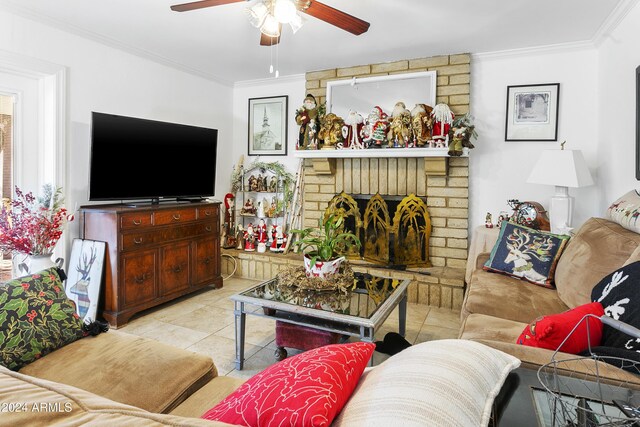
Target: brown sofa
[117, 379]
[497, 307]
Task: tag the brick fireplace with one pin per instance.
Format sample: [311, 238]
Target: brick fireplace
[443, 184]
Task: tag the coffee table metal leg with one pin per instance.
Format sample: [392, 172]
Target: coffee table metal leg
[240, 326]
[402, 315]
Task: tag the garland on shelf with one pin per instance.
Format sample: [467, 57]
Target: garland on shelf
[288, 180]
[295, 277]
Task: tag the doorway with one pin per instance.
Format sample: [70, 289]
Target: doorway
[7, 121]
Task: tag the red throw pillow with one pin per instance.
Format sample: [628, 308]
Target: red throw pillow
[308, 389]
[549, 331]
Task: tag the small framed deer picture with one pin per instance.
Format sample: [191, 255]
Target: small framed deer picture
[85, 277]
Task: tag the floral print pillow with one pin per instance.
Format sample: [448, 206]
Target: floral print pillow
[36, 318]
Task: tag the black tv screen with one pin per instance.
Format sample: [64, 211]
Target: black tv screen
[135, 158]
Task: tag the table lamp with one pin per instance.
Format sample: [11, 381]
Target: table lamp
[561, 168]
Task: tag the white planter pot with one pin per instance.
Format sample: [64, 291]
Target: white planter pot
[25, 264]
[322, 268]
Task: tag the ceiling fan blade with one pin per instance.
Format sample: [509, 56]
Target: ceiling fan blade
[270, 41]
[336, 17]
[185, 7]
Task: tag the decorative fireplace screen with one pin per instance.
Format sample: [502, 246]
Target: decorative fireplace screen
[399, 240]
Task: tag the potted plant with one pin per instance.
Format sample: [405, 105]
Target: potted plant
[31, 226]
[324, 247]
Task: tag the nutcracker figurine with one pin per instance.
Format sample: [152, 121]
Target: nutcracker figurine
[228, 232]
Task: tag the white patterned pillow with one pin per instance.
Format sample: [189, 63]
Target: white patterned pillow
[626, 211]
[443, 383]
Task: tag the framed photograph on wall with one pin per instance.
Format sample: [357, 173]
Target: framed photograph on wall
[268, 126]
[532, 112]
[85, 276]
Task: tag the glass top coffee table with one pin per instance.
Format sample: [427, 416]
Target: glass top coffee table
[357, 312]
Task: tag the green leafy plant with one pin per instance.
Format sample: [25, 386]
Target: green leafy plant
[328, 241]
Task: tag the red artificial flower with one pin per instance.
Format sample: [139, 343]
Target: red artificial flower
[57, 289]
[25, 286]
[49, 301]
[41, 294]
[32, 315]
[32, 226]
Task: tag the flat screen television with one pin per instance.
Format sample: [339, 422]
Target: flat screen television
[140, 159]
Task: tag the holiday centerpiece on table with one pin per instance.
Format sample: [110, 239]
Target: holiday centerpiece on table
[324, 247]
[31, 226]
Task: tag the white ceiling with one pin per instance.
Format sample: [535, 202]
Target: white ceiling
[220, 44]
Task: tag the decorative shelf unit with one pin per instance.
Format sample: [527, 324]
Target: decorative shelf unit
[262, 200]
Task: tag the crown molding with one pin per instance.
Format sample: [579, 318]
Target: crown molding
[293, 78]
[535, 50]
[613, 20]
[24, 12]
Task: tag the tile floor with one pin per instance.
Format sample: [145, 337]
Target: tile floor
[203, 322]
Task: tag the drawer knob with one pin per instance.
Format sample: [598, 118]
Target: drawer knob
[140, 279]
[177, 269]
[207, 213]
[137, 221]
[208, 228]
[176, 217]
[138, 240]
[206, 261]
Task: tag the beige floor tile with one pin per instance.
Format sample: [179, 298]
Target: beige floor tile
[259, 331]
[443, 317]
[223, 352]
[258, 362]
[206, 319]
[430, 333]
[175, 335]
[142, 325]
[170, 310]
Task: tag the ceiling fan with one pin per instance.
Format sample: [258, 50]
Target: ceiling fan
[270, 34]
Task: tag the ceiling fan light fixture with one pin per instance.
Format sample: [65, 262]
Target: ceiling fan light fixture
[284, 11]
[297, 22]
[270, 27]
[257, 14]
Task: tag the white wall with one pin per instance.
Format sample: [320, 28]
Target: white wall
[294, 88]
[499, 169]
[618, 58]
[104, 79]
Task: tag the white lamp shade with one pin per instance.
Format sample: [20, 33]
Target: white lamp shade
[565, 168]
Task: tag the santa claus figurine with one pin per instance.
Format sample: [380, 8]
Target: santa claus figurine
[442, 120]
[249, 239]
[280, 240]
[352, 130]
[398, 135]
[374, 131]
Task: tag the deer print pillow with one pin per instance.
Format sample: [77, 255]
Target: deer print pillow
[619, 294]
[526, 253]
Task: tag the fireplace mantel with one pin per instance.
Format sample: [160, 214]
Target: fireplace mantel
[375, 153]
[435, 159]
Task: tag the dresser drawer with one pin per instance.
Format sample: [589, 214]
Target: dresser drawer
[140, 240]
[209, 212]
[135, 219]
[174, 216]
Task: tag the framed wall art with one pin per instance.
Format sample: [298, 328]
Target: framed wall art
[85, 276]
[532, 112]
[268, 126]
